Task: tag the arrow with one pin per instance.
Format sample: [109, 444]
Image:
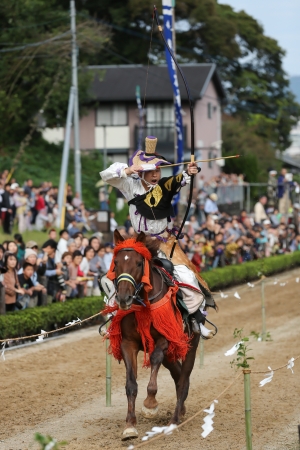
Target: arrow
[199, 161]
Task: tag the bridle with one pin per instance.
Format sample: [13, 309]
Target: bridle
[137, 286]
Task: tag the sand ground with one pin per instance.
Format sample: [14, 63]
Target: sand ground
[58, 388]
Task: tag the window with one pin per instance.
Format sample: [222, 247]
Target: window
[111, 115]
[209, 110]
[210, 156]
[160, 114]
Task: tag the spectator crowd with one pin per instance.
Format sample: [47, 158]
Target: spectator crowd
[35, 207]
[62, 268]
[214, 239]
[69, 264]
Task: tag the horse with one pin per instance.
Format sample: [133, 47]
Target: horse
[129, 269]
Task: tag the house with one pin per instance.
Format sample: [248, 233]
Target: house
[291, 156]
[112, 121]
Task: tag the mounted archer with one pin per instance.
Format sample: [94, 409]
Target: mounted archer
[149, 197]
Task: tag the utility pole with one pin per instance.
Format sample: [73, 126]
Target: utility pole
[65, 158]
[104, 148]
[77, 159]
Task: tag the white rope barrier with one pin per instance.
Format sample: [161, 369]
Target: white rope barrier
[267, 281]
[44, 333]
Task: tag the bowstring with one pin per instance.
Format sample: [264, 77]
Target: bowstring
[150, 48]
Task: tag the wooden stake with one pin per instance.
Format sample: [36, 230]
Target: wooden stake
[263, 311]
[247, 394]
[201, 353]
[108, 374]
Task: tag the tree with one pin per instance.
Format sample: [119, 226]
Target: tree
[35, 48]
[256, 155]
[249, 62]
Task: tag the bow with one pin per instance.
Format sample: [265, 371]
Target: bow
[192, 128]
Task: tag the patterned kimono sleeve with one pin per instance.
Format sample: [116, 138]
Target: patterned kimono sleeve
[115, 175]
[175, 183]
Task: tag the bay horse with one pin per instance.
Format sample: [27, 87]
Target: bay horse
[129, 267]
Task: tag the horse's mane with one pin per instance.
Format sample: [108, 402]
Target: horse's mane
[152, 245]
[148, 247]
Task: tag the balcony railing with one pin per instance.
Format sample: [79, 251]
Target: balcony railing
[165, 136]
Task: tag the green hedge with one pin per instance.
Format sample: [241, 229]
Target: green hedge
[33, 320]
[227, 276]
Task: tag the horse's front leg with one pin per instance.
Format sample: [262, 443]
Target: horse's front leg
[129, 351]
[150, 408]
[184, 380]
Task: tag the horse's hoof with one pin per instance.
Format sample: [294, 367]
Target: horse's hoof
[129, 433]
[149, 413]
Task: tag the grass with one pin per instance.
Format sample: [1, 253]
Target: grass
[38, 236]
[41, 161]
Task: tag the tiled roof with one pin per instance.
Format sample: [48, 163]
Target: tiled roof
[118, 83]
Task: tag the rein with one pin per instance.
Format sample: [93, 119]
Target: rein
[137, 286]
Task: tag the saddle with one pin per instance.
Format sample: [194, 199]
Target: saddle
[179, 257]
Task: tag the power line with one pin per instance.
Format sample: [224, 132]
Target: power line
[33, 25]
[35, 44]
[135, 33]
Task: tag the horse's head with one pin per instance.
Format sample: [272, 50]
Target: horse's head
[129, 270]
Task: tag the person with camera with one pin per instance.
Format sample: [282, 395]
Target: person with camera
[39, 269]
[56, 288]
[26, 283]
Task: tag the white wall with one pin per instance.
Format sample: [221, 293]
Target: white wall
[116, 137]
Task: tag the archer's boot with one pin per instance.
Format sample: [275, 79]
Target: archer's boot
[197, 325]
[108, 287]
[205, 332]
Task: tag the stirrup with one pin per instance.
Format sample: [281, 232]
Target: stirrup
[102, 332]
[215, 327]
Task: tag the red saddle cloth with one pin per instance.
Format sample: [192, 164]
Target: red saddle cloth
[165, 318]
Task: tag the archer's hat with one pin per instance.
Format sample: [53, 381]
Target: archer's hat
[149, 157]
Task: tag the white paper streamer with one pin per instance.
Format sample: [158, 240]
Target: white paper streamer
[250, 285]
[208, 420]
[73, 322]
[41, 338]
[297, 280]
[236, 295]
[276, 281]
[233, 349]
[131, 447]
[3, 351]
[157, 430]
[291, 364]
[50, 445]
[223, 295]
[283, 284]
[268, 379]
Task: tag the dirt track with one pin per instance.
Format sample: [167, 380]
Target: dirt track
[58, 388]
